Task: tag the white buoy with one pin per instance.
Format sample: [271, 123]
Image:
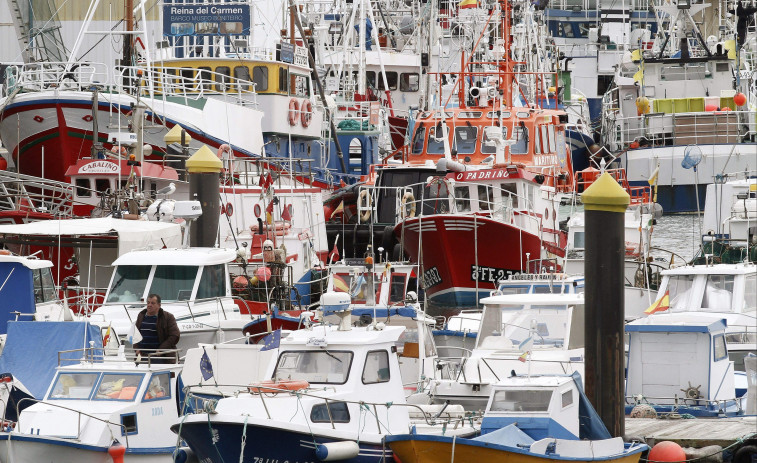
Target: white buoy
[335, 451]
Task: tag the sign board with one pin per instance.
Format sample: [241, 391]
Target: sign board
[99, 167]
[286, 52]
[206, 19]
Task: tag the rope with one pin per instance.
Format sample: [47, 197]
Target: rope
[244, 440]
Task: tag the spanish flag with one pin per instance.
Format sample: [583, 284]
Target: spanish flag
[523, 357]
[106, 338]
[660, 304]
[468, 4]
[655, 175]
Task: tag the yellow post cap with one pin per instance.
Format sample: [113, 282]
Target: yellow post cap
[174, 135]
[204, 160]
[606, 195]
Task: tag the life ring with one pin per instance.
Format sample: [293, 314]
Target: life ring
[294, 108]
[364, 202]
[274, 387]
[408, 200]
[307, 112]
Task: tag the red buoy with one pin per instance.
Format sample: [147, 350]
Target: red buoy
[739, 99]
[116, 452]
[667, 451]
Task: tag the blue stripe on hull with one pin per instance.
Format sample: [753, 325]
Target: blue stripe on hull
[459, 298]
[678, 198]
[263, 444]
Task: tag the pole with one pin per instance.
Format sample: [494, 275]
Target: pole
[204, 169]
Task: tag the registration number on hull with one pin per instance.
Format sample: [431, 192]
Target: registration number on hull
[489, 274]
[431, 278]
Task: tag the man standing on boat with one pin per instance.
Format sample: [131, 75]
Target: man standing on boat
[158, 328]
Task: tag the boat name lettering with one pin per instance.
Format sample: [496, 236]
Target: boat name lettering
[316, 342]
[274, 460]
[99, 167]
[431, 277]
[481, 175]
[545, 160]
[157, 411]
[191, 326]
[490, 274]
[206, 10]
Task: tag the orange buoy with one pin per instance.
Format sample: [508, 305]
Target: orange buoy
[739, 99]
[116, 452]
[3, 163]
[666, 451]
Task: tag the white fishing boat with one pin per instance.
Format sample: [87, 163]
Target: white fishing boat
[97, 408]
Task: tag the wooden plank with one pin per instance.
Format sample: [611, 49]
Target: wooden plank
[697, 433]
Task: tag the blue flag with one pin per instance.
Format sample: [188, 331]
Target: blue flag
[205, 366]
[272, 340]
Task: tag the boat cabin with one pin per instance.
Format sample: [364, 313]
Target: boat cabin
[390, 286]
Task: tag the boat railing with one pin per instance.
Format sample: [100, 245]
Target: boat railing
[19, 192]
[55, 75]
[79, 413]
[84, 299]
[246, 172]
[102, 354]
[185, 84]
[664, 129]
[356, 115]
[675, 401]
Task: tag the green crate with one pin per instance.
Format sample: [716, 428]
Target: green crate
[696, 105]
[662, 105]
[681, 105]
[727, 102]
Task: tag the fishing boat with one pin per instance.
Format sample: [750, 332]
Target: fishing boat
[527, 418]
[96, 409]
[333, 392]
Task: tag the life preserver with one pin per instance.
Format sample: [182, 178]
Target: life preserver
[364, 202]
[307, 112]
[407, 198]
[274, 387]
[294, 108]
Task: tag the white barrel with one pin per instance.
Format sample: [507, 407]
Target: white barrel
[335, 451]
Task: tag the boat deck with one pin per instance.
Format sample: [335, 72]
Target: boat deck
[698, 432]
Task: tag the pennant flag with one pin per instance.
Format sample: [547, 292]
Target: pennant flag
[660, 305]
[206, 368]
[334, 255]
[134, 336]
[262, 182]
[269, 207]
[268, 180]
[653, 178]
[339, 208]
[342, 184]
[272, 340]
[285, 215]
[526, 345]
[523, 357]
[106, 338]
[468, 4]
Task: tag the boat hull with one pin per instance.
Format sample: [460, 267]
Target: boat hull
[218, 442]
[17, 448]
[465, 256]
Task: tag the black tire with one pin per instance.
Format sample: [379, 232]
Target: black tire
[745, 454]
[387, 239]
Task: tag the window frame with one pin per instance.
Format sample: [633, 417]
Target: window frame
[388, 367]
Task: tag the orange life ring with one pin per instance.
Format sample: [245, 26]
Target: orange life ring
[294, 107]
[274, 387]
[307, 112]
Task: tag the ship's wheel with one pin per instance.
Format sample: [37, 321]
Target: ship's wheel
[692, 392]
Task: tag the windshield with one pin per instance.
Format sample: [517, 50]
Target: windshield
[718, 293]
[129, 283]
[679, 291]
[332, 367]
[118, 386]
[44, 288]
[77, 386]
[505, 328]
[174, 282]
[529, 400]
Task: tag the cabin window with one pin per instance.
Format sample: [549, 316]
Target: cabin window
[325, 366]
[750, 293]
[102, 185]
[283, 81]
[376, 369]
[462, 198]
[370, 79]
[679, 287]
[409, 82]
[487, 146]
[44, 288]
[129, 283]
[521, 140]
[505, 328]
[469, 114]
[436, 140]
[300, 86]
[205, 79]
[159, 387]
[579, 240]
[497, 114]
[485, 197]
[544, 139]
[561, 150]
[357, 287]
[567, 398]
[83, 188]
[337, 412]
[223, 78]
[212, 283]
[242, 77]
[521, 401]
[720, 349]
[418, 139]
[128, 423]
[397, 288]
[551, 133]
[465, 139]
[260, 77]
[174, 282]
[77, 386]
[118, 386]
[391, 80]
[537, 141]
[718, 293]
[435, 198]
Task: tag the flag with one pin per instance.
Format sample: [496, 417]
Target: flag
[262, 182]
[206, 368]
[334, 255]
[523, 357]
[340, 285]
[285, 215]
[653, 178]
[342, 184]
[357, 286]
[268, 180]
[526, 345]
[106, 338]
[339, 208]
[269, 207]
[272, 340]
[468, 4]
[660, 304]
[134, 336]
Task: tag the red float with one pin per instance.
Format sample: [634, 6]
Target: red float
[666, 451]
[739, 99]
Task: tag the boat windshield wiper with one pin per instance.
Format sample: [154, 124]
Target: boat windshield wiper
[333, 356]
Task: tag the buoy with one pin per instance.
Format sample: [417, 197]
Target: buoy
[739, 99]
[667, 451]
[240, 282]
[3, 163]
[332, 451]
[263, 273]
[710, 108]
[183, 455]
[116, 452]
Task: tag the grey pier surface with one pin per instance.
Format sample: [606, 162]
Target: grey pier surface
[697, 432]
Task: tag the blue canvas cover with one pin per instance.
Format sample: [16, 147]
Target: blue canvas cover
[31, 350]
[510, 436]
[590, 425]
[16, 293]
